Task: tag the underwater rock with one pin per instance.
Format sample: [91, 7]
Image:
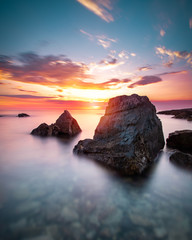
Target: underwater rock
[181, 140]
[182, 159]
[23, 115]
[65, 125]
[128, 137]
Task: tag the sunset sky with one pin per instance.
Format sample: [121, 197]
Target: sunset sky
[80, 53]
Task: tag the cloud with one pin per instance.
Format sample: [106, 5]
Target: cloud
[99, 7]
[101, 40]
[172, 55]
[24, 96]
[145, 81]
[162, 33]
[168, 64]
[59, 90]
[91, 37]
[172, 73]
[109, 63]
[133, 54]
[190, 23]
[22, 90]
[53, 71]
[105, 41]
[145, 68]
[44, 70]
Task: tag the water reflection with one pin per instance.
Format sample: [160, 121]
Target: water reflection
[46, 192]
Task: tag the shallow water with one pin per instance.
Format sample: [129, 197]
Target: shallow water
[47, 193]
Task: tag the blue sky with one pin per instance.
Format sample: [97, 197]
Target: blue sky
[118, 39]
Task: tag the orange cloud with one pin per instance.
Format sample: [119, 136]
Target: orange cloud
[54, 71]
[100, 8]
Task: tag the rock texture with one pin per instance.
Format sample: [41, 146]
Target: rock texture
[65, 125]
[179, 113]
[23, 115]
[181, 140]
[182, 159]
[128, 137]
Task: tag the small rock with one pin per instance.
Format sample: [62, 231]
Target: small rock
[181, 140]
[23, 115]
[182, 159]
[65, 125]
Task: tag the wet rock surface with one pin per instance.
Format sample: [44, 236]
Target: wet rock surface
[128, 137]
[181, 140]
[23, 115]
[65, 125]
[181, 159]
[179, 113]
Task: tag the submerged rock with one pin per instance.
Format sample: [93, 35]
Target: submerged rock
[65, 125]
[128, 137]
[23, 115]
[181, 140]
[182, 159]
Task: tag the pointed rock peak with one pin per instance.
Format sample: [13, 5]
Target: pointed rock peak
[64, 116]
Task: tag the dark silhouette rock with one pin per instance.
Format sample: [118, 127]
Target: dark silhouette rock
[181, 140]
[65, 125]
[179, 113]
[182, 159]
[23, 115]
[128, 137]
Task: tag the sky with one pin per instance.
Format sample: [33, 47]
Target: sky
[80, 53]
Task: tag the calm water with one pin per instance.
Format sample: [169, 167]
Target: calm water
[47, 193]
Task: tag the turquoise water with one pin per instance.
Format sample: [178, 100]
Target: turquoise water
[47, 193]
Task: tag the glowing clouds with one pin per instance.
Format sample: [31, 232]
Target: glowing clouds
[100, 8]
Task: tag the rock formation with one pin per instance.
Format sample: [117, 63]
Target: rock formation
[182, 159]
[23, 115]
[128, 137]
[65, 125]
[179, 113]
[181, 140]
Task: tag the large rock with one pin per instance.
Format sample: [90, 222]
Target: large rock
[128, 137]
[181, 140]
[65, 125]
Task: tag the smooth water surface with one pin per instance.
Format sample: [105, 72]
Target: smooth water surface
[48, 193]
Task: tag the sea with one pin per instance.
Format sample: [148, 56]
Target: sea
[49, 193]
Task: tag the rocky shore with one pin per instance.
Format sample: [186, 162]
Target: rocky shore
[179, 113]
[128, 137]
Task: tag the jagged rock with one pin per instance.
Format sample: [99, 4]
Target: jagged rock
[65, 125]
[23, 115]
[128, 137]
[181, 140]
[182, 159]
[185, 113]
